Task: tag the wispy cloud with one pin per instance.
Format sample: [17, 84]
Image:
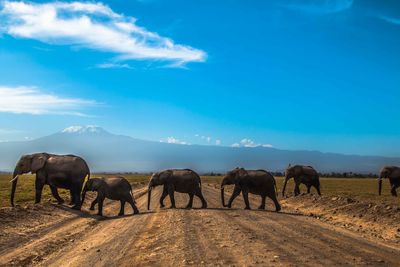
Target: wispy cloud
[390, 20]
[320, 7]
[31, 100]
[246, 142]
[173, 140]
[94, 26]
[114, 66]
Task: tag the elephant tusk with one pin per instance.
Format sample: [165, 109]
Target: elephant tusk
[15, 178]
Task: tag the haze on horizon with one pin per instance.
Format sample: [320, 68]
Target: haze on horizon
[289, 74]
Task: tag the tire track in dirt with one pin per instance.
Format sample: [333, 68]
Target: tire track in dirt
[320, 244]
[58, 236]
[201, 237]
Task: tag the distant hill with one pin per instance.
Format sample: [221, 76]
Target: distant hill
[105, 151]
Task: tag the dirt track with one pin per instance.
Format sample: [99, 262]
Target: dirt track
[214, 236]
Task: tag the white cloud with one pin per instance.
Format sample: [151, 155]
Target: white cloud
[321, 6]
[94, 26]
[235, 145]
[113, 66]
[246, 142]
[32, 101]
[390, 20]
[173, 140]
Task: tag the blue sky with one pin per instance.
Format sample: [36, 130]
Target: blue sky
[307, 74]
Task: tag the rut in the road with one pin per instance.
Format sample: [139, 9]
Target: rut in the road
[214, 236]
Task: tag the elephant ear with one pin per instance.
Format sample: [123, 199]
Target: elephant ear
[38, 162]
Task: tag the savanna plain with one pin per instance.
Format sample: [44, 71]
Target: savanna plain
[349, 225]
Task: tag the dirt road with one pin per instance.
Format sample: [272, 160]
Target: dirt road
[214, 236]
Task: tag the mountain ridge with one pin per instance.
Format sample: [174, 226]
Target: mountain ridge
[109, 152]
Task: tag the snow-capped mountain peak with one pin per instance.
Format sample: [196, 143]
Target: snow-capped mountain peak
[92, 129]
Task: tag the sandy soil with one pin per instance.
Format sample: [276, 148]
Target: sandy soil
[54, 235]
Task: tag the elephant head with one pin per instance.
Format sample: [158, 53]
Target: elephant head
[92, 184]
[158, 178]
[231, 177]
[386, 172]
[27, 163]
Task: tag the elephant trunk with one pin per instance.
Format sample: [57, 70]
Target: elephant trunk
[284, 186]
[223, 196]
[14, 186]
[380, 185]
[149, 196]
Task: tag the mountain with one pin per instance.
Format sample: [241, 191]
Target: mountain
[108, 152]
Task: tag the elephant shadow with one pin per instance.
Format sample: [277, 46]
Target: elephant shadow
[86, 214]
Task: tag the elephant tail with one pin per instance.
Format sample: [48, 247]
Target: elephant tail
[276, 188]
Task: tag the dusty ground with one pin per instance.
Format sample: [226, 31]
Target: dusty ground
[54, 235]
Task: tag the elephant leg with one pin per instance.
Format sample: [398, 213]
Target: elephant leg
[38, 190]
[122, 210]
[55, 194]
[77, 197]
[101, 201]
[132, 203]
[171, 196]
[190, 203]
[297, 189]
[308, 189]
[318, 190]
[199, 194]
[393, 190]
[245, 194]
[163, 196]
[262, 206]
[236, 192]
[275, 200]
[94, 202]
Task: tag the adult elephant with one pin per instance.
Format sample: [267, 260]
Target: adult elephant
[58, 171]
[179, 180]
[306, 175]
[258, 182]
[393, 173]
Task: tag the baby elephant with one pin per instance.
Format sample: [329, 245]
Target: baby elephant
[117, 188]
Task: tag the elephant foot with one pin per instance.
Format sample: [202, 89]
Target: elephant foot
[162, 206]
[100, 214]
[60, 201]
[76, 207]
[91, 208]
[228, 206]
[261, 208]
[121, 214]
[247, 208]
[136, 211]
[188, 207]
[204, 206]
[172, 207]
[278, 208]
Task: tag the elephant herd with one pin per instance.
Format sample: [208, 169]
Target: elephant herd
[72, 172]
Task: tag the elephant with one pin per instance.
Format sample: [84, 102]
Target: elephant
[393, 173]
[58, 171]
[257, 182]
[302, 175]
[116, 188]
[179, 180]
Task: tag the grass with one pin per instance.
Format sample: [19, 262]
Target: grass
[363, 189]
